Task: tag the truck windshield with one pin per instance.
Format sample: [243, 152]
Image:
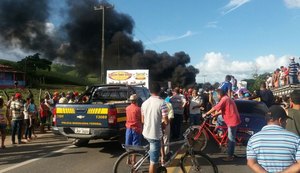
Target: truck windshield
[109, 94]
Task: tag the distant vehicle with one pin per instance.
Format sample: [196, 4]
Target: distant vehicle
[285, 90]
[99, 113]
[252, 114]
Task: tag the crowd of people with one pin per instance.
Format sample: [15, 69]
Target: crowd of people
[284, 75]
[24, 115]
[161, 118]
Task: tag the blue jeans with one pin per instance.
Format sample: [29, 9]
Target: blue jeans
[194, 119]
[294, 79]
[154, 151]
[220, 124]
[16, 128]
[231, 140]
[28, 130]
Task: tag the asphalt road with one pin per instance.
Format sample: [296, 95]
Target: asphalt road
[51, 153]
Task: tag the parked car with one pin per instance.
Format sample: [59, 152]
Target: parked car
[252, 114]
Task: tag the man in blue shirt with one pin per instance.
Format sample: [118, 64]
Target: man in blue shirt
[226, 86]
[274, 149]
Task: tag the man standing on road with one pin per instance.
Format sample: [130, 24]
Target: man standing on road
[231, 117]
[154, 116]
[16, 111]
[274, 149]
[178, 103]
[133, 122]
[293, 125]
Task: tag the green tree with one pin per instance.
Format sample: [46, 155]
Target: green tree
[254, 84]
[30, 64]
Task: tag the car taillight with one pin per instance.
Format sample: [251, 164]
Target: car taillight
[112, 116]
[54, 116]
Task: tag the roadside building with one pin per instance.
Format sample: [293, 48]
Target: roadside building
[10, 77]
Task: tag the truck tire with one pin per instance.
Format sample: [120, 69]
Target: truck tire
[81, 142]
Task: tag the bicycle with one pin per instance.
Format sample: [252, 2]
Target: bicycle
[191, 161]
[206, 129]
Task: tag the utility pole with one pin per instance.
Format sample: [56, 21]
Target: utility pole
[102, 7]
[204, 76]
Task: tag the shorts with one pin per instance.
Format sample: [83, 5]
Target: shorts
[132, 137]
[154, 151]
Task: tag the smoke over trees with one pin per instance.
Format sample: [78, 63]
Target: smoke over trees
[77, 40]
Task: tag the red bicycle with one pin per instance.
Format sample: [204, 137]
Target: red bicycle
[208, 130]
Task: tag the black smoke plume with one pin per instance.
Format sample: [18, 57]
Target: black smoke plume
[78, 40]
[23, 24]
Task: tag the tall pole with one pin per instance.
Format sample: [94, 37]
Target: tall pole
[102, 7]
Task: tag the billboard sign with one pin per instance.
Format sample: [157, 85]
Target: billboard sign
[130, 77]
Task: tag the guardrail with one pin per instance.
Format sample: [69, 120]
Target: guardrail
[285, 90]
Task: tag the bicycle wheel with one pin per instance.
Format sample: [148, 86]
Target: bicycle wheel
[200, 162]
[200, 143]
[128, 161]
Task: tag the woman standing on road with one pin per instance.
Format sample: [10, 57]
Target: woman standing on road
[32, 110]
[28, 120]
[3, 122]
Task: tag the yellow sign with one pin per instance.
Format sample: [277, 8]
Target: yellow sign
[140, 76]
[120, 75]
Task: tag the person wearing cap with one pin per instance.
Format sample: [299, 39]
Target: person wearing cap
[133, 125]
[133, 122]
[293, 72]
[293, 125]
[274, 149]
[16, 111]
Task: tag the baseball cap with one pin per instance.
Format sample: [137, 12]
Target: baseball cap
[276, 112]
[18, 95]
[133, 97]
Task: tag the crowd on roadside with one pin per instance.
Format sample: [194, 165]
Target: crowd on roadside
[160, 118]
[284, 75]
[24, 115]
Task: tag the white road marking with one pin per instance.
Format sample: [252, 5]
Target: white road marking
[36, 159]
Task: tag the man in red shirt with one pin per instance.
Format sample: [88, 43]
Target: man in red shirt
[133, 122]
[231, 117]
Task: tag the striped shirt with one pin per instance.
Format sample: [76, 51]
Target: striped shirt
[293, 69]
[17, 108]
[153, 110]
[274, 148]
